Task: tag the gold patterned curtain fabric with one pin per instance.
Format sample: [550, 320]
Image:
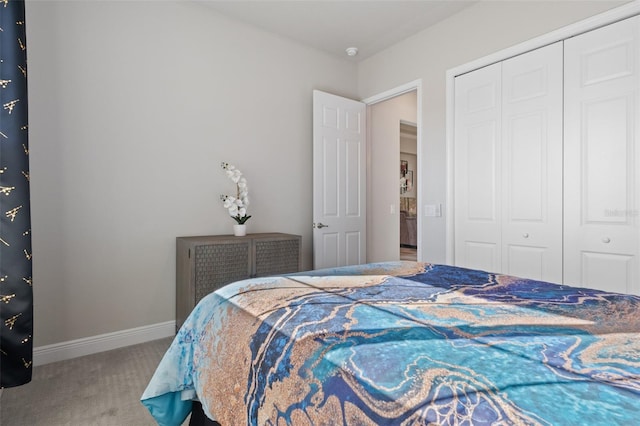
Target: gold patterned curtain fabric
[16, 295]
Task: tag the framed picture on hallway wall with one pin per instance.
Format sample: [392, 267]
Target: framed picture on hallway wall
[405, 174]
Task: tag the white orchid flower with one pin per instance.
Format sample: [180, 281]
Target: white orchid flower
[228, 202]
[236, 206]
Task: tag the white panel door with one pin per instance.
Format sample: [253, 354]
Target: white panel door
[339, 156]
[532, 164]
[602, 158]
[477, 169]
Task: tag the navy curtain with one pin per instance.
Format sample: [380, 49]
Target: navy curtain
[16, 295]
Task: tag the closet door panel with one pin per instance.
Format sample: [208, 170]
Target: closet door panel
[526, 261]
[602, 158]
[477, 167]
[532, 164]
[605, 150]
[606, 271]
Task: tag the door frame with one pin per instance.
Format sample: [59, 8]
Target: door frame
[617, 14]
[415, 85]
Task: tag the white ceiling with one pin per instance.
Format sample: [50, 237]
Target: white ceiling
[334, 25]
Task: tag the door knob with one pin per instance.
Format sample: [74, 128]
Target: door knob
[606, 240]
[320, 225]
[525, 235]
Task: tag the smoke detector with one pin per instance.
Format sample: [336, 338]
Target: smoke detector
[352, 51]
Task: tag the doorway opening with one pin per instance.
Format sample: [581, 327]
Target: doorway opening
[408, 210]
[391, 198]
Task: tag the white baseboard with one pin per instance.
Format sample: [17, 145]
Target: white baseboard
[102, 342]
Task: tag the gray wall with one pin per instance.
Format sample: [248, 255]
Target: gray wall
[477, 31]
[133, 105]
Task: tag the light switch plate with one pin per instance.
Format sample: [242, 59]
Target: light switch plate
[433, 210]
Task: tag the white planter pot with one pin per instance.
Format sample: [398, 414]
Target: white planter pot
[239, 230]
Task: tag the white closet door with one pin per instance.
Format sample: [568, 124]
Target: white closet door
[532, 164]
[602, 158]
[477, 169]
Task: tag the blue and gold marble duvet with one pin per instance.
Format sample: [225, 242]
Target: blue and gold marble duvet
[404, 343]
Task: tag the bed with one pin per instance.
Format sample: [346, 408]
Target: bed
[403, 343]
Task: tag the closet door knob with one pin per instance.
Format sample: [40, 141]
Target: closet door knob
[525, 235]
[606, 240]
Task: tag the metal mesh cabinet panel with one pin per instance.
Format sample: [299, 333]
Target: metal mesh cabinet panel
[204, 264]
[277, 256]
[217, 265]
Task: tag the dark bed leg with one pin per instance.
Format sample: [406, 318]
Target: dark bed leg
[198, 418]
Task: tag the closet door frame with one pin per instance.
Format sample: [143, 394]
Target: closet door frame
[609, 17]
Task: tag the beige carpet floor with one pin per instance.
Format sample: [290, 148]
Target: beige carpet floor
[102, 389]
